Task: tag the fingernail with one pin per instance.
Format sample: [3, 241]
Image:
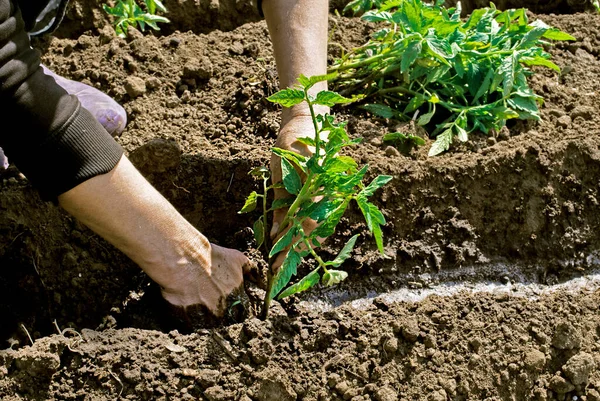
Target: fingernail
[274, 229]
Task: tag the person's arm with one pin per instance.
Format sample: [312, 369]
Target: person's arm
[298, 30]
[69, 156]
[127, 211]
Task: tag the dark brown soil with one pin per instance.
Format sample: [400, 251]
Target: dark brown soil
[199, 122]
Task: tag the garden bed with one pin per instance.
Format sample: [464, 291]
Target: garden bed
[199, 121]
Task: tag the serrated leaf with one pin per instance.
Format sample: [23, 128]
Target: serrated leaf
[296, 158]
[425, 118]
[329, 98]
[251, 202]
[327, 227]
[284, 241]
[288, 269]
[411, 53]
[377, 183]
[291, 179]
[538, 60]
[332, 277]
[309, 82]
[344, 253]
[287, 97]
[442, 143]
[259, 232]
[307, 282]
[380, 110]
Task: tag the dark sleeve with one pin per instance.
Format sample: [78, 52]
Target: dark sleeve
[54, 141]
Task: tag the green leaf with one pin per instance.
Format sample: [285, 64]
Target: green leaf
[287, 97]
[327, 227]
[308, 83]
[411, 53]
[284, 241]
[344, 253]
[442, 143]
[291, 156]
[538, 60]
[321, 210]
[281, 203]
[332, 277]
[306, 141]
[461, 134]
[485, 85]
[288, 269]
[291, 178]
[524, 104]
[425, 118]
[328, 98]
[378, 235]
[250, 204]
[377, 183]
[259, 232]
[556, 34]
[380, 110]
[307, 282]
[412, 14]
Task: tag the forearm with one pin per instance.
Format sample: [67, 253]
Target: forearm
[127, 211]
[298, 30]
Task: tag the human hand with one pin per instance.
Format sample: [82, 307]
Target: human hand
[209, 288]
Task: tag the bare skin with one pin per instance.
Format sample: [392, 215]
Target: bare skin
[140, 222]
[298, 30]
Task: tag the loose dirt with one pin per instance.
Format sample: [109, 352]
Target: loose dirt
[199, 121]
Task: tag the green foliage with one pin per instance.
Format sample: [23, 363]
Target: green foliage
[129, 13]
[460, 75]
[328, 175]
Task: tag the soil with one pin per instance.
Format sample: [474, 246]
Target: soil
[198, 122]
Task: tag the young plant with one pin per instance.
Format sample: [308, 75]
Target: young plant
[462, 76]
[332, 178]
[129, 13]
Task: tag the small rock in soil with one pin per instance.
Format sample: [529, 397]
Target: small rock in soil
[157, 156]
[593, 395]
[386, 394]
[392, 151]
[579, 367]
[566, 336]
[410, 331]
[135, 86]
[200, 69]
[208, 377]
[535, 360]
[275, 388]
[561, 385]
[564, 121]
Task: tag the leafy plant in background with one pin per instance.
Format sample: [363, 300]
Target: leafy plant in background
[129, 13]
[332, 178]
[461, 76]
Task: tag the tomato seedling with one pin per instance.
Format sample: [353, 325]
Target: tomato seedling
[332, 178]
[461, 76]
[129, 13]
